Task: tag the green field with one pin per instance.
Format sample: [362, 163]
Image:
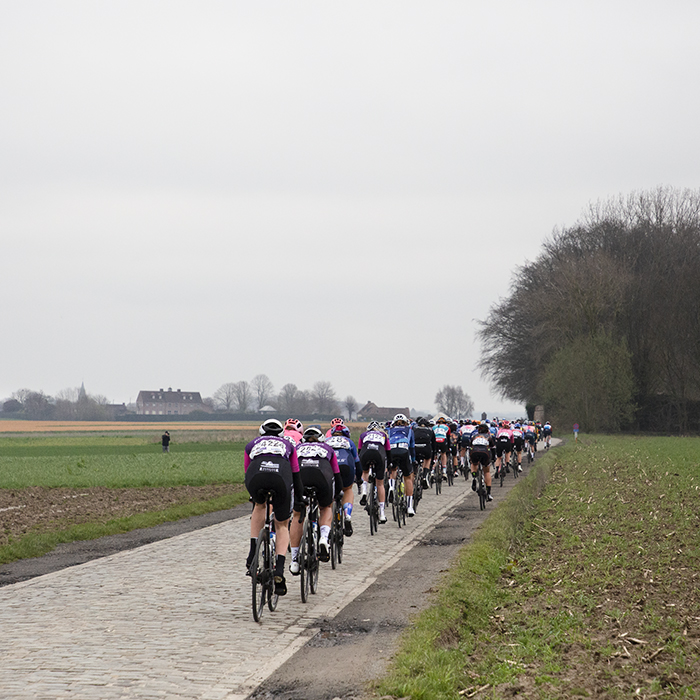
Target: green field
[116, 462]
[585, 582]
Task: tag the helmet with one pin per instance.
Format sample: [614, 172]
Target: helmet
[336, 421]
[312, 433]
[483, 428]
[373, 425]
[399, 418]
[441, 419]
[423, 422]
[271, 427]
[293, 424]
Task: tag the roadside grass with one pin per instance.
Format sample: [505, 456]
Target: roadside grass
[584, 582]
[38, 543]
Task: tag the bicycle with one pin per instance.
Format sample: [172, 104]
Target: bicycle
[437, 474]
[450, 473]
[417, 485]
[372, 506]
[514, 465]
[337, 538]
[481, 487]
[398, 506]
[502, 472]
[262, 567]
[309, 562]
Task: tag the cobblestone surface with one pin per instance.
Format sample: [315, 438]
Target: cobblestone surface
[172, 619]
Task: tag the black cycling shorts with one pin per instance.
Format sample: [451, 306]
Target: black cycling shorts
[423, 453]
[503, 446]
[482, 458]
[518, 444]
[400, 458]
[347, 473]
[441, 446]
[465, 441]
[376, 458]
[321, 478]
[271, 473]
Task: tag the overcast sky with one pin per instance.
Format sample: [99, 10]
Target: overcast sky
[192, 193]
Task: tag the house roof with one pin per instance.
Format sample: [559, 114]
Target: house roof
[169, 396]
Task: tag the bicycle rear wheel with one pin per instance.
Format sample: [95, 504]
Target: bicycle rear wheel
[340, 535]
[303, 568]
[313, 557]
[257, 575]
[371, 505]
[270, 557]
[333, 540]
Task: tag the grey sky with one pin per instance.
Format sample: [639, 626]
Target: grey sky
[195, 193]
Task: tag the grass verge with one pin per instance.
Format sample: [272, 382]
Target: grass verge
[40, 542]
[583, 583]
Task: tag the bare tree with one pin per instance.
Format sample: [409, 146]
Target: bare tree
[225, 396]
[262, 390]
[323, 398]
[286, 398]
[243, 397]
[351, 405]
[454, 402]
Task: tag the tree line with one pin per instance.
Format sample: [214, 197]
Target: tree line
[68, 404]
[603, 327]
[245, 397]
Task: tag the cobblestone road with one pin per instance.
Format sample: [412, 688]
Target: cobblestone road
[172, 619]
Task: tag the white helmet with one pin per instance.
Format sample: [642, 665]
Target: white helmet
[398, 418]
[271, 427]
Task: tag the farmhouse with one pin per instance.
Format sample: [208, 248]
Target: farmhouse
[169, 403]
[370, 411]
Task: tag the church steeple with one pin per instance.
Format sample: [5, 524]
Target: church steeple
[82, 394]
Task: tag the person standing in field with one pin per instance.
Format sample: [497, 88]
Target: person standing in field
[165, 441]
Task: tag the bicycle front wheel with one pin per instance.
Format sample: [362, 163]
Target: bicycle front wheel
[257, 575]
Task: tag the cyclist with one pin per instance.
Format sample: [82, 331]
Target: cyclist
[425, 447]
[403, 455]
[335, 422]
[442, 442]
[466, 432]
[547, 435]
[454, 445]
[349, 464]
[518, 441]
[270, 463]
[375, 448]
[531, 438]
[318, 467]
[504, 447]
[293, 430]
[482, 444]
